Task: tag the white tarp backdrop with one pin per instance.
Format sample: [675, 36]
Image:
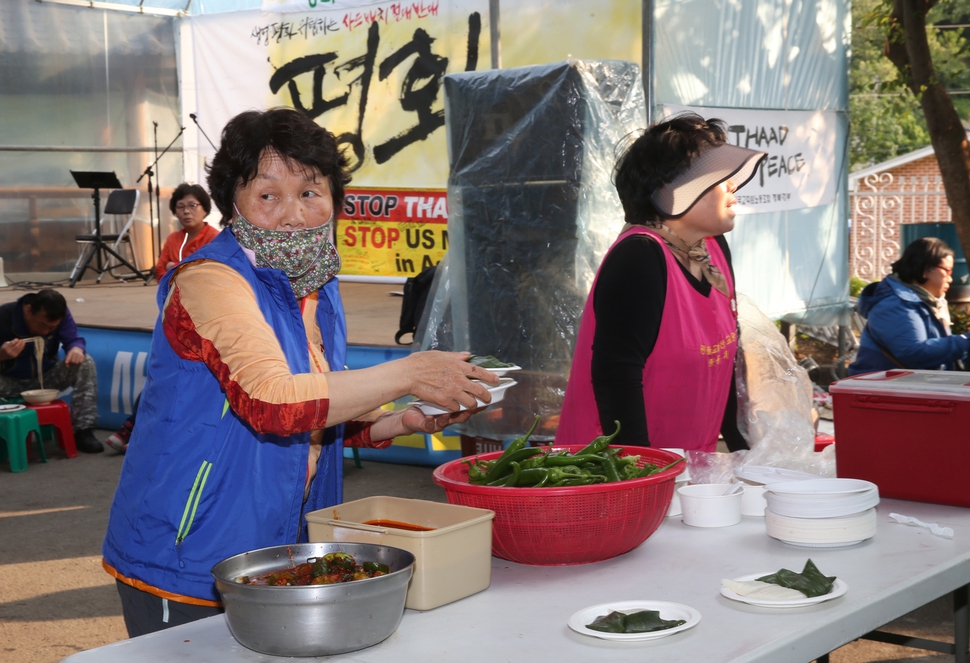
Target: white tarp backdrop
[779, 55]
[800, 169]
[421, 7]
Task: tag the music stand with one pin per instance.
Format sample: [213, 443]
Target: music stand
[99, 180]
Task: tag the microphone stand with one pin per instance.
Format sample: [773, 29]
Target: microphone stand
[158, 205]
[196, 120]
[148, 171]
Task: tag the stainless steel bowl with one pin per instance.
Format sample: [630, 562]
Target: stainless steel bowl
[314, 620]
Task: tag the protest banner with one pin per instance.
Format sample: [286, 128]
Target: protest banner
[369, 72]
[800, 170]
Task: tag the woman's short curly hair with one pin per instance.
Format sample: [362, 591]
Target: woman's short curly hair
[660, 154]
[920, 256]
[289, 133]
[185, 189]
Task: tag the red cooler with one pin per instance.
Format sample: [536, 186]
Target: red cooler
[906, 431]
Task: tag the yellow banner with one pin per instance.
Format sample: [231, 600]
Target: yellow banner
[392, 232]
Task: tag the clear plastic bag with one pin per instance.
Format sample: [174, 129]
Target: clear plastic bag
[707, 467]
[775, 404]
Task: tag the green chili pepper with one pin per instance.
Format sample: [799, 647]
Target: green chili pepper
[600, 443]
[534, 462]
[580, 480]
[649, 469]
[502, 464]
[627, 467]
[667, 467]
[475, 473]
[501, 481]
[500, 470]
[609, 465]
[533, 477]
[557, 474]
[516, 471]
[561, 461]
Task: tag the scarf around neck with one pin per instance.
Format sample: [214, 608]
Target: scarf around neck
[686, 254]
[937, 305]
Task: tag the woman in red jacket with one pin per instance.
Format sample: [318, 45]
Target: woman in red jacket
[190, 204]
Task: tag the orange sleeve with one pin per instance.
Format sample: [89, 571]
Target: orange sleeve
[211, 315]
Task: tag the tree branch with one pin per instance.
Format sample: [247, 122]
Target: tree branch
[907, 47]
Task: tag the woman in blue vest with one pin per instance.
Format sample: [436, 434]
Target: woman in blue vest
[246, 409]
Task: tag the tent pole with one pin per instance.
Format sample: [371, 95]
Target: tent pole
[495, 33]
[647, 56]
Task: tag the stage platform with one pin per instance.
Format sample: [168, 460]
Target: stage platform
[116, 320]
[373, 312]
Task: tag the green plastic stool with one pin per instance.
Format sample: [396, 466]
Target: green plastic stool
[15, 427]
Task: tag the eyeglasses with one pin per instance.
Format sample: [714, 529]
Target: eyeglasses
[181, 207]
[946, 270]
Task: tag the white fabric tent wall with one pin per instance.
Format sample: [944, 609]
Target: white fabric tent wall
[772, 54]
[779, 55]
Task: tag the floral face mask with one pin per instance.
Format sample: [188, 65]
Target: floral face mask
[307, 256]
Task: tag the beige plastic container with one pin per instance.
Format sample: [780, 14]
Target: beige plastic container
[452, 561]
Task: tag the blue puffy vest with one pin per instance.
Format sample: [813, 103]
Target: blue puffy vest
[198, 484]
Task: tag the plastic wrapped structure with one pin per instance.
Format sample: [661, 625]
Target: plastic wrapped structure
[532, 210]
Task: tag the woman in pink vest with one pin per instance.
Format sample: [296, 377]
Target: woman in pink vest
[658, 336]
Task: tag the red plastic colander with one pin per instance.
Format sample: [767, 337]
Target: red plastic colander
[574, 525]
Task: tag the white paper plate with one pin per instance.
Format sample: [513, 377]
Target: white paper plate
[766, 475]
[666, 609]
[12, 407]
[844, 544]
[844, 530]
[497, 392]
[824, 506]
[502, 371]
[817, 488]
[838, 589]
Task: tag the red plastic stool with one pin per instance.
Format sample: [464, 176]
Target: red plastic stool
[823, 440]
[58, 415]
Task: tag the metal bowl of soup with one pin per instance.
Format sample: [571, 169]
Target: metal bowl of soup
[313, 620]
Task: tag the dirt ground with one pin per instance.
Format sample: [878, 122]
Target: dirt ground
[56, 600]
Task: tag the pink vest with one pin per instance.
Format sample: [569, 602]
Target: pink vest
[687, 376]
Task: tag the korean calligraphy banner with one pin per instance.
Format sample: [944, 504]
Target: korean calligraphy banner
[370, 72]
[800, 170]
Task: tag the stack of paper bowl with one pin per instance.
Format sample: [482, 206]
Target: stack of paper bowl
[676, 508]
[755, 478]
[822, 513]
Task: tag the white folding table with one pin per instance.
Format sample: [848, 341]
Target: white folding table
[523, 615]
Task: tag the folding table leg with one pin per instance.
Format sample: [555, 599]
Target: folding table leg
[961, 624]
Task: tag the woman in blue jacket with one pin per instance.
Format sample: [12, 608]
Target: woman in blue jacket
[908, 320]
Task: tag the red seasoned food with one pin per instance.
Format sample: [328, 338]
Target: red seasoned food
[329, 569]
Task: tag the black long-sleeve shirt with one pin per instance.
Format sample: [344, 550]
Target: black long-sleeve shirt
[628, 302]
